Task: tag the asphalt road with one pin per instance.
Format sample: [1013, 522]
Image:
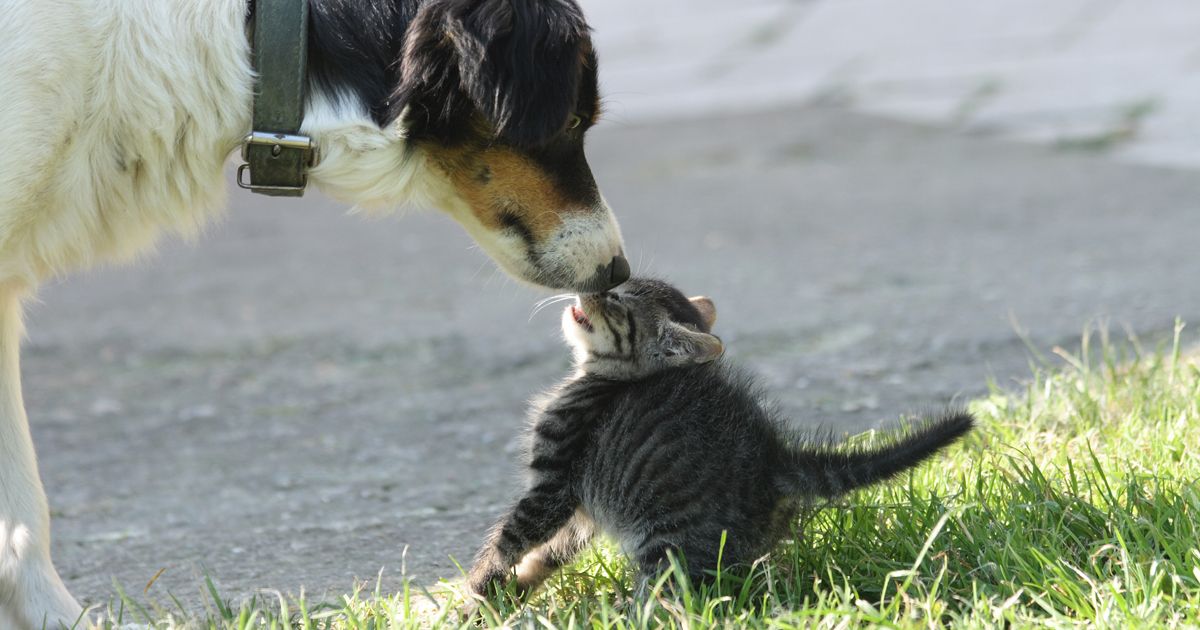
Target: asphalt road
[301, 396]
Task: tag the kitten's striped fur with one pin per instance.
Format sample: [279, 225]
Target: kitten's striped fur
[661, 445]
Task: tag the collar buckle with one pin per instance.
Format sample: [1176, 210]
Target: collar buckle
[271, 151]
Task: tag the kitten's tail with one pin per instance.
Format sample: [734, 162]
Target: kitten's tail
[829, 472]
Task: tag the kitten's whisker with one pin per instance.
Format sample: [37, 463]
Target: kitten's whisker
[550, 300]
[556, 296]
[541, 304]
[541, 307]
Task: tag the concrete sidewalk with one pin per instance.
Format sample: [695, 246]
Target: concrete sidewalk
[301, 396]
[1120, 77]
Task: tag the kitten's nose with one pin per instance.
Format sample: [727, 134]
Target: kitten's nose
[618, 270]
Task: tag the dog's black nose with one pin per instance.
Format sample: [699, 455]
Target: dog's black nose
[618, 270]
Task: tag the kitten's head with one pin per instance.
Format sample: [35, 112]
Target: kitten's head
[638, 328]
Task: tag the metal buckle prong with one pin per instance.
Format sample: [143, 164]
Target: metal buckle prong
[278, 142]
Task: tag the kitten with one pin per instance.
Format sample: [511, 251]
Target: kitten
[659, 444]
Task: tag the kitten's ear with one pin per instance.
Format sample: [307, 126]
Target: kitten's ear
[708, 310]
[682, 346]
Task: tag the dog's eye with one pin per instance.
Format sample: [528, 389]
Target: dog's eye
[574, 122]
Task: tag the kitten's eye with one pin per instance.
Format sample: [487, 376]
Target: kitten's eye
[574, 122]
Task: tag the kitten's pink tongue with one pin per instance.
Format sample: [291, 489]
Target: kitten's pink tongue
[580, 318]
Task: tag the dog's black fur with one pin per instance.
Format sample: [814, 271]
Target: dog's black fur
[464, 77]
[525, 65]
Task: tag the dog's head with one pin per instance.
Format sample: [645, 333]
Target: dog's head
[498, 95]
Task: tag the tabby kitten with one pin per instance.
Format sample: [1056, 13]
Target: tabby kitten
[659, 444]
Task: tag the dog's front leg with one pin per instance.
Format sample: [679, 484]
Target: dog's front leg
[32, 596]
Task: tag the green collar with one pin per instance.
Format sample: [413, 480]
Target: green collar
[276, 155]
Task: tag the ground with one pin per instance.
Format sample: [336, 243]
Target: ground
[1120, 77]
[303, 398]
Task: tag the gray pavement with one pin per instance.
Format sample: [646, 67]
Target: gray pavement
[1121, 77]
[301, 396]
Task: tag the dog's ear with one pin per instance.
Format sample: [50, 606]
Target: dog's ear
[518, 62]
[428, 94]
[521, 62]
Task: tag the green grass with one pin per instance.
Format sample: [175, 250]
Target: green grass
[1074, 504]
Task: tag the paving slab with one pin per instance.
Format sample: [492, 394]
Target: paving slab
[300, 397]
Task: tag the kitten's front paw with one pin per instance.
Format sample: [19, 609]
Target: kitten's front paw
[486, 583]
[469, 610]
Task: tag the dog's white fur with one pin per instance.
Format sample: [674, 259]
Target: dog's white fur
[118, 118]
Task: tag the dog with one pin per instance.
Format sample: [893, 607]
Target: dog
[119, 117]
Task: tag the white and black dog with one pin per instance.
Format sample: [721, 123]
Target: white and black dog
[119, 116]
